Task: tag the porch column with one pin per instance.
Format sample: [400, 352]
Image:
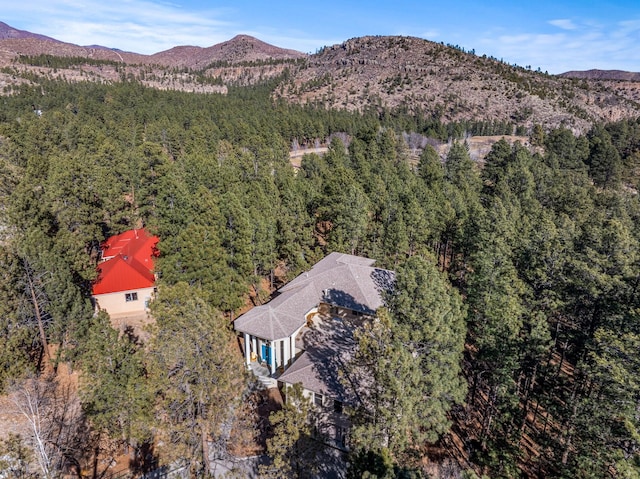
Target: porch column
[287, 353]
[273, 356]
[293, 347]
[254, 343]
[247, 347]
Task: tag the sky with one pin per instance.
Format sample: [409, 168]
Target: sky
[555, 36]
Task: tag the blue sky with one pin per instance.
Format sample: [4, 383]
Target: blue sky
[556, 36]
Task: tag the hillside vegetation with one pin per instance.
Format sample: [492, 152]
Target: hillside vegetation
[510, 346]
[537, 251]
[446, 83]
[387, 75]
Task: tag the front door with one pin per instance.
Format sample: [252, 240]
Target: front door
[266, 353]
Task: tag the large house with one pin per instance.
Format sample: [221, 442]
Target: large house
[126, 280]
[305, 333]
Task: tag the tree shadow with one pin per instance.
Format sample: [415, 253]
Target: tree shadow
[144, 459]
[331, 343]
[342, 299]
[385, 281]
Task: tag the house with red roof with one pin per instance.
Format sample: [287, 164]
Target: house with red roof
[126, 279]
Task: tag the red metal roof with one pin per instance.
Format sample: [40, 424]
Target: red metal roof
[129, 261]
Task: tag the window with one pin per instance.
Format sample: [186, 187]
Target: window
[130, 297]
[317, 399]
[337, 407]
[341, 437]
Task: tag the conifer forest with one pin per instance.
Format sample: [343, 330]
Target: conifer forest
[510, 347]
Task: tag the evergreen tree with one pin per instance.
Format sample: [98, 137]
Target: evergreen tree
[197, 374]
[386, 378]
[430, 167]
[114, 391]
[429, 315]
[605, 165]
[462, 187]
[292, 451]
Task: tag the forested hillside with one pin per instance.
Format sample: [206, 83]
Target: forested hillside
[517, 281]
[391, 75]
[450, 84]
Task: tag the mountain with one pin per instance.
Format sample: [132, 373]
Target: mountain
[240, 49]
[387, 73]
[14, 42]
[448, 83]
[602, 75]
[201, 70]
[7, 31]
[624, 84]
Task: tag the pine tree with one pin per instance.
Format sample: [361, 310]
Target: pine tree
[387, 383]
[114, 390]
[292, 451]
[429, 315]
[197, 373]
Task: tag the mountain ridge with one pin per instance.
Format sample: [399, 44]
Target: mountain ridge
[240, 48]
[7, 32]
[386, 73]
[449, 84]
[596, 74]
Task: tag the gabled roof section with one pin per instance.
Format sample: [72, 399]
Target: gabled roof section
[128, 262]
[338, 279]
[328, 347]
[280, 317]
[137, 243]
[348, 281]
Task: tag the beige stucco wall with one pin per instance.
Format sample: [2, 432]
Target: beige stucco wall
[115, 303]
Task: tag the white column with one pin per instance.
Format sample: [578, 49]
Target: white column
[293, 346]
[254, 343]
[247, 347]
[287, 352]
[276, 349]
[273, 356]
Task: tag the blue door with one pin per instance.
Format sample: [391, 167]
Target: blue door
[266, 354]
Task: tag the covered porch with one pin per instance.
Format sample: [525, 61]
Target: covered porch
[275, 355]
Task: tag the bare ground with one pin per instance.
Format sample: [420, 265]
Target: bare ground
[11, 419]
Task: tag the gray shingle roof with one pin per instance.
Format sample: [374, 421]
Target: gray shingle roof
[329, 346]
[339, 279]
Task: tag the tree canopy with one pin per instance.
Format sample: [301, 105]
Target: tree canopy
[516, 308]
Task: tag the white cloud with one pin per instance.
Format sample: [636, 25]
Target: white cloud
[563, 23]
[592, 45]
[430, 34]
[628, 30]
[135, 25]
